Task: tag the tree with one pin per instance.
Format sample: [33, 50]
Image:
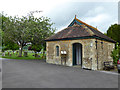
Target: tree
[114, 33]
[17, 31]
[0, 40]
[27, 29]
[2, 19]
[6, 43]
[105, 34]
[40, 31]
[9, 45]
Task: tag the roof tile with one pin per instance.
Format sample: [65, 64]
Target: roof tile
[75, 30]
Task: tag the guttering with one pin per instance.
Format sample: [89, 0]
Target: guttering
[86, 37]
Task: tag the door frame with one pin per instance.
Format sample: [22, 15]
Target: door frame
[74, 54]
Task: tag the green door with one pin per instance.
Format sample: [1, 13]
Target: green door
[74, 53]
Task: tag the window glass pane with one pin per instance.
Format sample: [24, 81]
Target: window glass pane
[57, 50]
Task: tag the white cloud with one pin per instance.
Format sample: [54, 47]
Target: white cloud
[95, 11]
[100, 18]
[22, 7]
[61, 28]
[100, 14]
[101, 21]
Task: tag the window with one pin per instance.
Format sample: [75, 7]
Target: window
[96, 43]
[102, 45]
[57, 50]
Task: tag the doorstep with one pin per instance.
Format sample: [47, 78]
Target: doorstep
[77, 66]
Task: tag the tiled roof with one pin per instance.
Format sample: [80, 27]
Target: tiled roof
[79, 29]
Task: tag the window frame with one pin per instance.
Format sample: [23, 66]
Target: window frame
[57, 51]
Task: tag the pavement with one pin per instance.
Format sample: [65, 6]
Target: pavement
[39, 74]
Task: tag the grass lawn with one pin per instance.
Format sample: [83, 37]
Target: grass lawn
[15, 56]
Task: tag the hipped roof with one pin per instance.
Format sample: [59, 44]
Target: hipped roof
[79, 30]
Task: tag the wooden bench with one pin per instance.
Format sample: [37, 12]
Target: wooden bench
[108, 65]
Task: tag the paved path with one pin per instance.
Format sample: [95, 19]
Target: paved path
[38, 74]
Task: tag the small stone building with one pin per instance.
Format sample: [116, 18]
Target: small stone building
[79, 44]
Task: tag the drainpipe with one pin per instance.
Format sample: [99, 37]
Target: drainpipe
[97, 52]
[97, 60]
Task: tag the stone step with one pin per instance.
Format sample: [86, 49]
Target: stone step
[77, 66]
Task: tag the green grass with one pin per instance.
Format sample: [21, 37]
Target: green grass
[29, 57]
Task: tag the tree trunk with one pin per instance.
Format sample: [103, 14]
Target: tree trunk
[13, 52]
[35, 53]
[20, 51]
[8, 53]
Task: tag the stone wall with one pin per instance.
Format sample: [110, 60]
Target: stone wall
[104, 52]
[89, 52]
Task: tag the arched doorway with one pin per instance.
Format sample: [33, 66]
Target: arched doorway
[77, 54]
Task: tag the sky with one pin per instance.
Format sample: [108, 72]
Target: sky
[61, 12]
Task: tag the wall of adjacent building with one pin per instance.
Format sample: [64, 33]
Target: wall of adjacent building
[89, 52]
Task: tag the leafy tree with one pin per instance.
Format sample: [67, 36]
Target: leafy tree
[0, 40]
[114, 33]
[2, 19]
[105, 34]
[6, 44]
[41, 30]
[16, 31]
[9, 45]
[27, 29]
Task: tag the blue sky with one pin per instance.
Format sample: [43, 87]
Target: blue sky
[62, 12]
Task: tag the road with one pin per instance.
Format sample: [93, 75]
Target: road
[39, 74]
